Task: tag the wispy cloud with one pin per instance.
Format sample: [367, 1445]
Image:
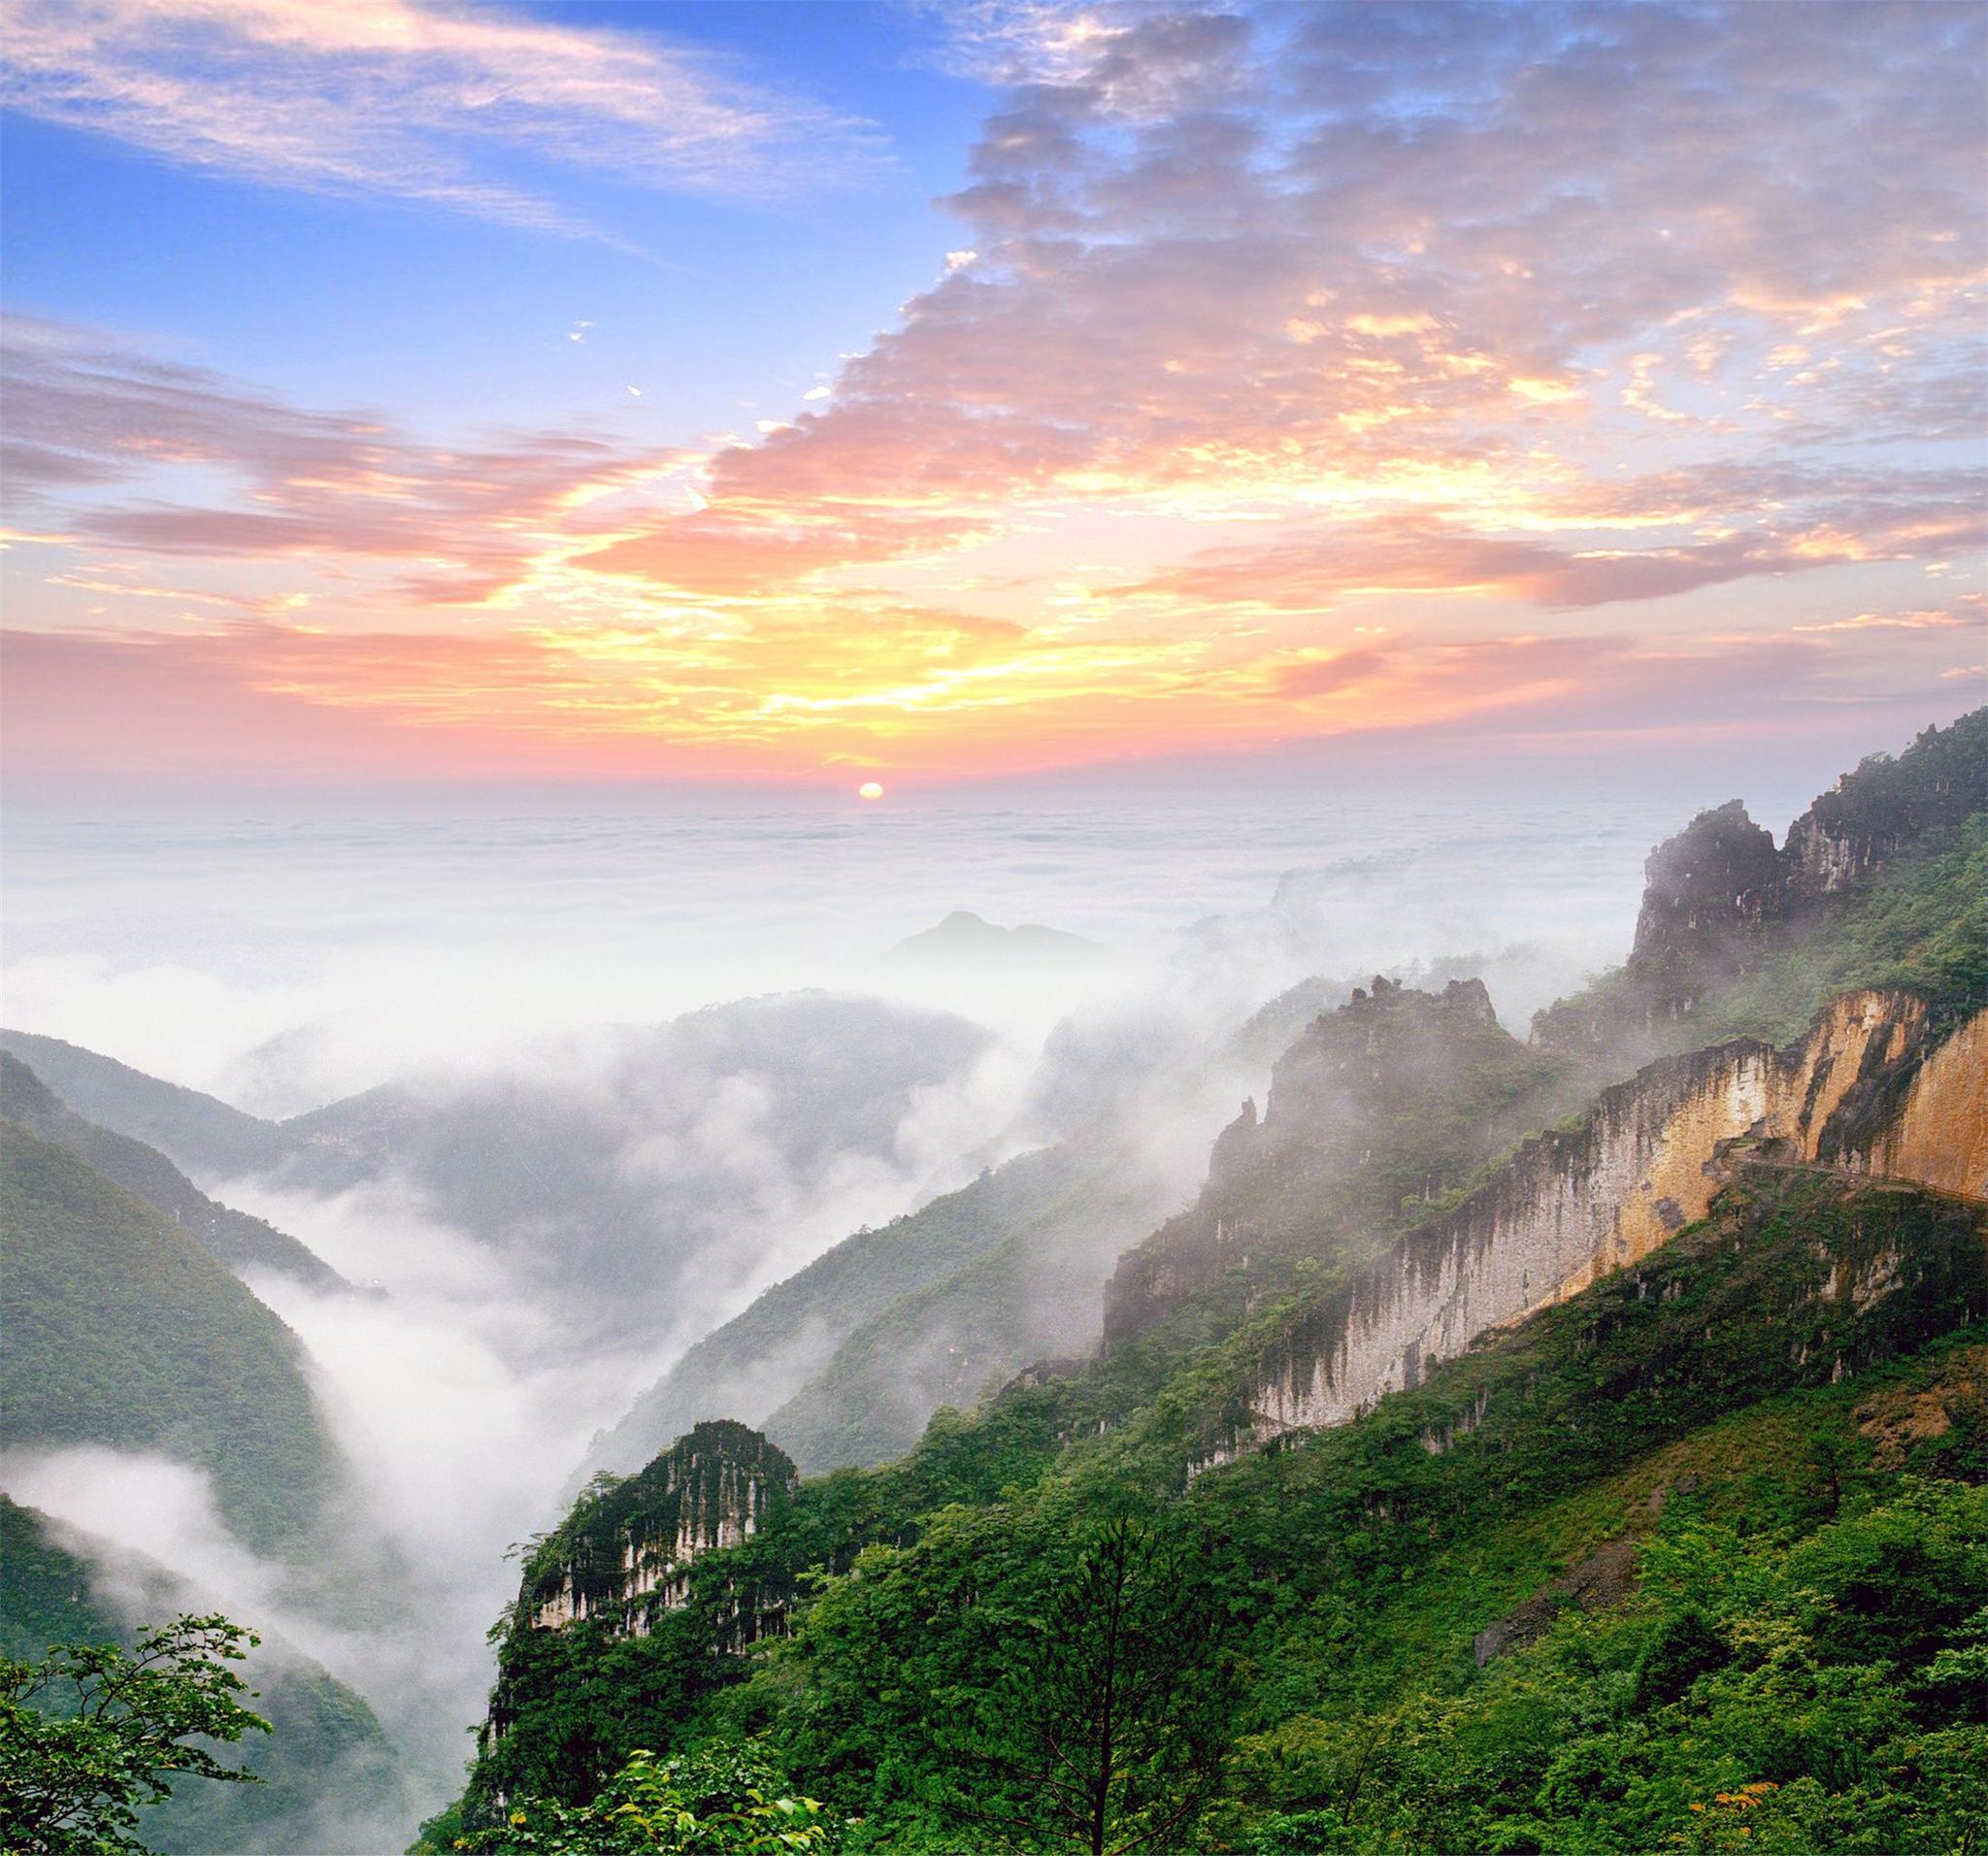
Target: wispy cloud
[435, 103]
[1474, 262]
[1970, 609]
[226, 472]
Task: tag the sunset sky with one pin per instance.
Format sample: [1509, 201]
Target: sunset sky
[824, 391]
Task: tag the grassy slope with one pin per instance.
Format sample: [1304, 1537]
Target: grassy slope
[121, 1331]
[326, 1752]
[234, 1238]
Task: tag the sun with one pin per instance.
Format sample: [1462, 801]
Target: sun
[870, 790]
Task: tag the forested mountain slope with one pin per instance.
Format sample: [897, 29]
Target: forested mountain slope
[1392, 1590]
[232, 1238]
[199, 1132]
[790, 1331]
[1031, 1297]
[122, 1331]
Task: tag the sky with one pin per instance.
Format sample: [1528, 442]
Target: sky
[815, 394]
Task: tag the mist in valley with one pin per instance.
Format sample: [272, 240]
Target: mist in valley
[558, 1099]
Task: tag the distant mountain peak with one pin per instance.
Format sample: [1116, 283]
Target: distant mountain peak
[963, 937]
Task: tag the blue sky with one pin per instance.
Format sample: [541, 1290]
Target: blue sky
[452, 320]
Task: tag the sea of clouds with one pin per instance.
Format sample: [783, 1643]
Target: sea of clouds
[289, 959]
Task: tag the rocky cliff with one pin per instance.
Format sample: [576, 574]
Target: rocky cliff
[1721, 903]
[1375, 1111]
[1873, 1089]
[624, 1554]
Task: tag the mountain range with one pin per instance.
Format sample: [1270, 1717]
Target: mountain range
[1574, 1443]
[1451, 1383]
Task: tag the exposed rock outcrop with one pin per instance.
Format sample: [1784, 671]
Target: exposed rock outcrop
[626, 1552]
[1376, 1107]
[1605, 1578]
[1717, 892]
[1719, 878]
[1886, 807]
[1871, 1089]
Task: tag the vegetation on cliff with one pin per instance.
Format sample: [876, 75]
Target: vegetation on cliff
[1738, 1378]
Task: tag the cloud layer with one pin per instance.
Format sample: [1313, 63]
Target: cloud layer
[1288, 361]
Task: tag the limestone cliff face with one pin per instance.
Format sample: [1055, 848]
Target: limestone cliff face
[626, 1557]
[1376, 1107]
[626, 1553]
[1867, 1090]
[1939, 1132]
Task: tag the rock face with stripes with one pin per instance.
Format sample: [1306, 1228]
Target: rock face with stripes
[625, 1554]
[1873, 1089]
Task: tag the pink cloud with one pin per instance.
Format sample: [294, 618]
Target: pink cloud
[346, 485]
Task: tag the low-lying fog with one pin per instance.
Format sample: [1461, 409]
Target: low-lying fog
[564, 1190]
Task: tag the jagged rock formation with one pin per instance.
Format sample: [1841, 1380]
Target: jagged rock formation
[1719, 897]
[1873, 1089]
[1717, 879]
[1377, 1108]
[625, 1553]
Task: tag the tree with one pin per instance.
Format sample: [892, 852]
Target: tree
[1108, 1735]
[93, 1732]
[720, 1801]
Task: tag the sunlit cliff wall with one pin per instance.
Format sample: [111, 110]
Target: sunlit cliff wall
[1865, 1090]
